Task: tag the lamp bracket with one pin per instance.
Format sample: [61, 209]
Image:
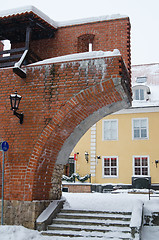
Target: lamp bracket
[19, 115]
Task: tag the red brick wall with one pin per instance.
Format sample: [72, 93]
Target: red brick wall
[1, 46]
[108, 35]
[78, 188]
[56, 98]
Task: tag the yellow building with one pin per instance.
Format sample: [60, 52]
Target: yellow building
[124, 147]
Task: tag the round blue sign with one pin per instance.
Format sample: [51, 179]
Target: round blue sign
[5, 146]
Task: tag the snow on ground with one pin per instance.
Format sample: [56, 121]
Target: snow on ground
[121, 201]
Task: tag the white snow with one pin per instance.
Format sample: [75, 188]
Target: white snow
[55, 24]
[79, 56]
[97, 201]
[44, 215]
[28, 9]
[88, 20]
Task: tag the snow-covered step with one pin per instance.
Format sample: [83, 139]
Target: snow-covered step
[95, 216]
[96, 228]
[90, 224]
[77, 221]
[106, 235]
[69, 210]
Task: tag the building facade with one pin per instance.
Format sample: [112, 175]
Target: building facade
[123, 147]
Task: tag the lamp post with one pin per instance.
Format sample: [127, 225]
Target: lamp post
[14, 101]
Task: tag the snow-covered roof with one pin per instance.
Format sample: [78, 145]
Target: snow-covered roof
[55, 24]
[79, 56]
[151, 74]
[27, 9]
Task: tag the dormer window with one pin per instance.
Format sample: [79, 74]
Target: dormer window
[140, 93]
[141, 79]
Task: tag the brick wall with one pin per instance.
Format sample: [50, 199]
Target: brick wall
[56, 99]
[1, 46]
[60, 102]
[78, 188]
[105, 35]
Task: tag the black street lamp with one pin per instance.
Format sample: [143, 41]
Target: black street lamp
[14, 101]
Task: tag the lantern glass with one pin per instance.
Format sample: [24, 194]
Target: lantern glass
[15, 100]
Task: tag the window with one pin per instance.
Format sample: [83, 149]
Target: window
[110, 166]
[141, 79]
[141, 165]
[110, 129]
[140, 128]
[85, 43]
[70, 168]
[141, 93]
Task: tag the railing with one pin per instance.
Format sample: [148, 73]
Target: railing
[15, 55]
[150, 192]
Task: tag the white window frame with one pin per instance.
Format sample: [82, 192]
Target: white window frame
[146, 92]
[148, 166]
[117, 167]
[147, 127]
[109, 120]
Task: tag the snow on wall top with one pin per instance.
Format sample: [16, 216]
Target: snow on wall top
[25, 9]
[89, 20]
[78, 56]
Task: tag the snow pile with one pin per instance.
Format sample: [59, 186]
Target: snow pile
[79, 56]
[136, 219]
[19, 233]
[102, 201]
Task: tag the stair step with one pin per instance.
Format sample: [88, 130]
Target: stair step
[90, 222]
[107, 235]
[65, 210]
[90, 225]
[94, 216]
[88, 229]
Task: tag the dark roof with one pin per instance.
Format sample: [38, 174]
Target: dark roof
[13, 24]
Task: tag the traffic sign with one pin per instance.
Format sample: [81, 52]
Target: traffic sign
[5, 146]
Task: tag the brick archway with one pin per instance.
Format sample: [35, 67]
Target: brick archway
[66, 99]
[61, 98]
[69, 124]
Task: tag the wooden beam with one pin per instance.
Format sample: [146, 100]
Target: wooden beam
[28, 36]
[15, 50]
[8, 58]
[20, 72]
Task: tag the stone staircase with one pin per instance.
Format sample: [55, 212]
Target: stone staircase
[90, 224]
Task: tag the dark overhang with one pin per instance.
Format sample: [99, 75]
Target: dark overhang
[13, 24]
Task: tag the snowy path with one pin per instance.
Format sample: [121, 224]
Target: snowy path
[92, 201]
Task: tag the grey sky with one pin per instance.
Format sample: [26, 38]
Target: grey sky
[144, 17]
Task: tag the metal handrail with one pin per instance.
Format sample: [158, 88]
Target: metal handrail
[150, 196]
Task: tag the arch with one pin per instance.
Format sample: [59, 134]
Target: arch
[64, 131]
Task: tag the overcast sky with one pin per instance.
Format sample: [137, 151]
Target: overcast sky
[144, 18]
